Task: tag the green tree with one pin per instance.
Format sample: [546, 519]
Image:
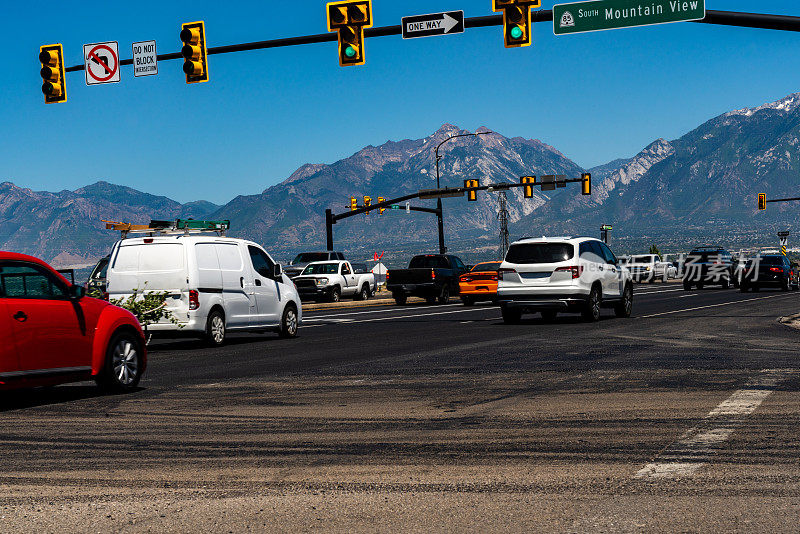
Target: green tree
[654, 250]
[147, 307]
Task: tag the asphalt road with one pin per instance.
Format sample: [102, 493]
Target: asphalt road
[418, 418]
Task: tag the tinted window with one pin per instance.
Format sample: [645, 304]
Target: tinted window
[458, 264]
[428, 262]
[607, 254]
[772, 260]
[100, 269]
[588, 252]
[488, 266]
[28, 281]
[345, 269]
[527, 253]
[359, 268]
[261, 262]
[308, 257]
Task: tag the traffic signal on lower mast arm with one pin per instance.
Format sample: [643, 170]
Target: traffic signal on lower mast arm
[353, 203]
[762, 201]
[586, 183]
[349, 18]
[472, 196]
[194, 52]
[527, 188]
[367, 204]
[54, 85]
[381, 209]
[517, 23]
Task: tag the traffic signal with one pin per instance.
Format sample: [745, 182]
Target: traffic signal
[527, 190]
[762, 201]
[586, 183]
[195, 64]
[349, 18]
[367, 203]
[517, 24]
[472, 196]
[353, 203]
[381, 210]
[53, 80]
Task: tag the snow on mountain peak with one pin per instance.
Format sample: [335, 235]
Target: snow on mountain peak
[789, 103]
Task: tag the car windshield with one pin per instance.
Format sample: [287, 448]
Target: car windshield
[641, 259]
[428, 262]
[488, 266]
[308, 257]
[540, 253]
[322, 268]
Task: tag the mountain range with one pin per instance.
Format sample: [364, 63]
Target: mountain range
[705, 182]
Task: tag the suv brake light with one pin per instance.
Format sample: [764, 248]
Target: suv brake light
[776, 269]
[576, 270]
[433, 274]
[194, 299]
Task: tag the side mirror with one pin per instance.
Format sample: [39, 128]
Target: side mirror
[277, 271]
[77, 292]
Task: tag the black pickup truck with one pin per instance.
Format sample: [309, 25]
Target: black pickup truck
[431, 276]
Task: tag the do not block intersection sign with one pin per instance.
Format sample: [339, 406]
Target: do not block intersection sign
[101, 63]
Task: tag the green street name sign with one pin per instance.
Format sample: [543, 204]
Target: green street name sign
[611, 14]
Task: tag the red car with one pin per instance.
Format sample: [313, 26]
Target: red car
[51, 333]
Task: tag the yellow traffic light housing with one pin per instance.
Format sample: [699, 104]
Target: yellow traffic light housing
[367, 203]
[381, 209]
[472, 195]
[194, 52]
[353, 203]
[349, 18]
[762, 201]
[517, 23]
[527, 189]
[586, 183]
[54, 85]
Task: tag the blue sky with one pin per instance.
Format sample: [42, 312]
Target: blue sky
[595, 97]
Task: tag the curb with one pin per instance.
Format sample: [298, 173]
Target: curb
[791, 320]
[378, 300]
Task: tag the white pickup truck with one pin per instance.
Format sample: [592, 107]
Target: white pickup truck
[332, 280]
[650, 267]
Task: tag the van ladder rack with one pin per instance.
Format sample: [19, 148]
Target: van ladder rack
[179, 226]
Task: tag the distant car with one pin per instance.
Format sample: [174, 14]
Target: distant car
[768, 271]
[562, 274]
[650, 267]
[52, 333]
[332, 280]
[708, 265]
[295, 268]
[480, 283]
[96, 284]
[431, 276]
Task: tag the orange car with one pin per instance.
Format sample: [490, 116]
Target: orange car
[480, 283]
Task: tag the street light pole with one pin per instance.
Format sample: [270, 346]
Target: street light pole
[440, 214]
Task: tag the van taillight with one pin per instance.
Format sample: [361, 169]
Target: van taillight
[576, 270]
[433, 274]
[194, 299]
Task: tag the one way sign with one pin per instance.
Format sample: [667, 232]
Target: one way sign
[434, 24]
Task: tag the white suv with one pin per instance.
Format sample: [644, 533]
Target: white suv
[562, 274]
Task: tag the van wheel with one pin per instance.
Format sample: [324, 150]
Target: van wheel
[215, 328]
[591, 310]
[336, 294]
[123, 364]
[288, 322]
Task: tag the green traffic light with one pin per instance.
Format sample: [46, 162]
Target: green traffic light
[516, 32]
[350, 52]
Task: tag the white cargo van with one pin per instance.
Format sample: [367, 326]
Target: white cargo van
[215, 284]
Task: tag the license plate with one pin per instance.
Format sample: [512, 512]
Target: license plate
[534, 276]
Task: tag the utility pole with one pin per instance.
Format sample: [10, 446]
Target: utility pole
[503, 216]
[442, 248]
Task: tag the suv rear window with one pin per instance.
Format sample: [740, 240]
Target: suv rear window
[527, 253]
[771, 260]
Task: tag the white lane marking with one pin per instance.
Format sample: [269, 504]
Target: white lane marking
[709, 306]
[691, 295]
[696, 446]
[376, 319]
[654, 291]
[384, 310]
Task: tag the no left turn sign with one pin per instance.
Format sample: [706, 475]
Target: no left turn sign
[101, 63]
